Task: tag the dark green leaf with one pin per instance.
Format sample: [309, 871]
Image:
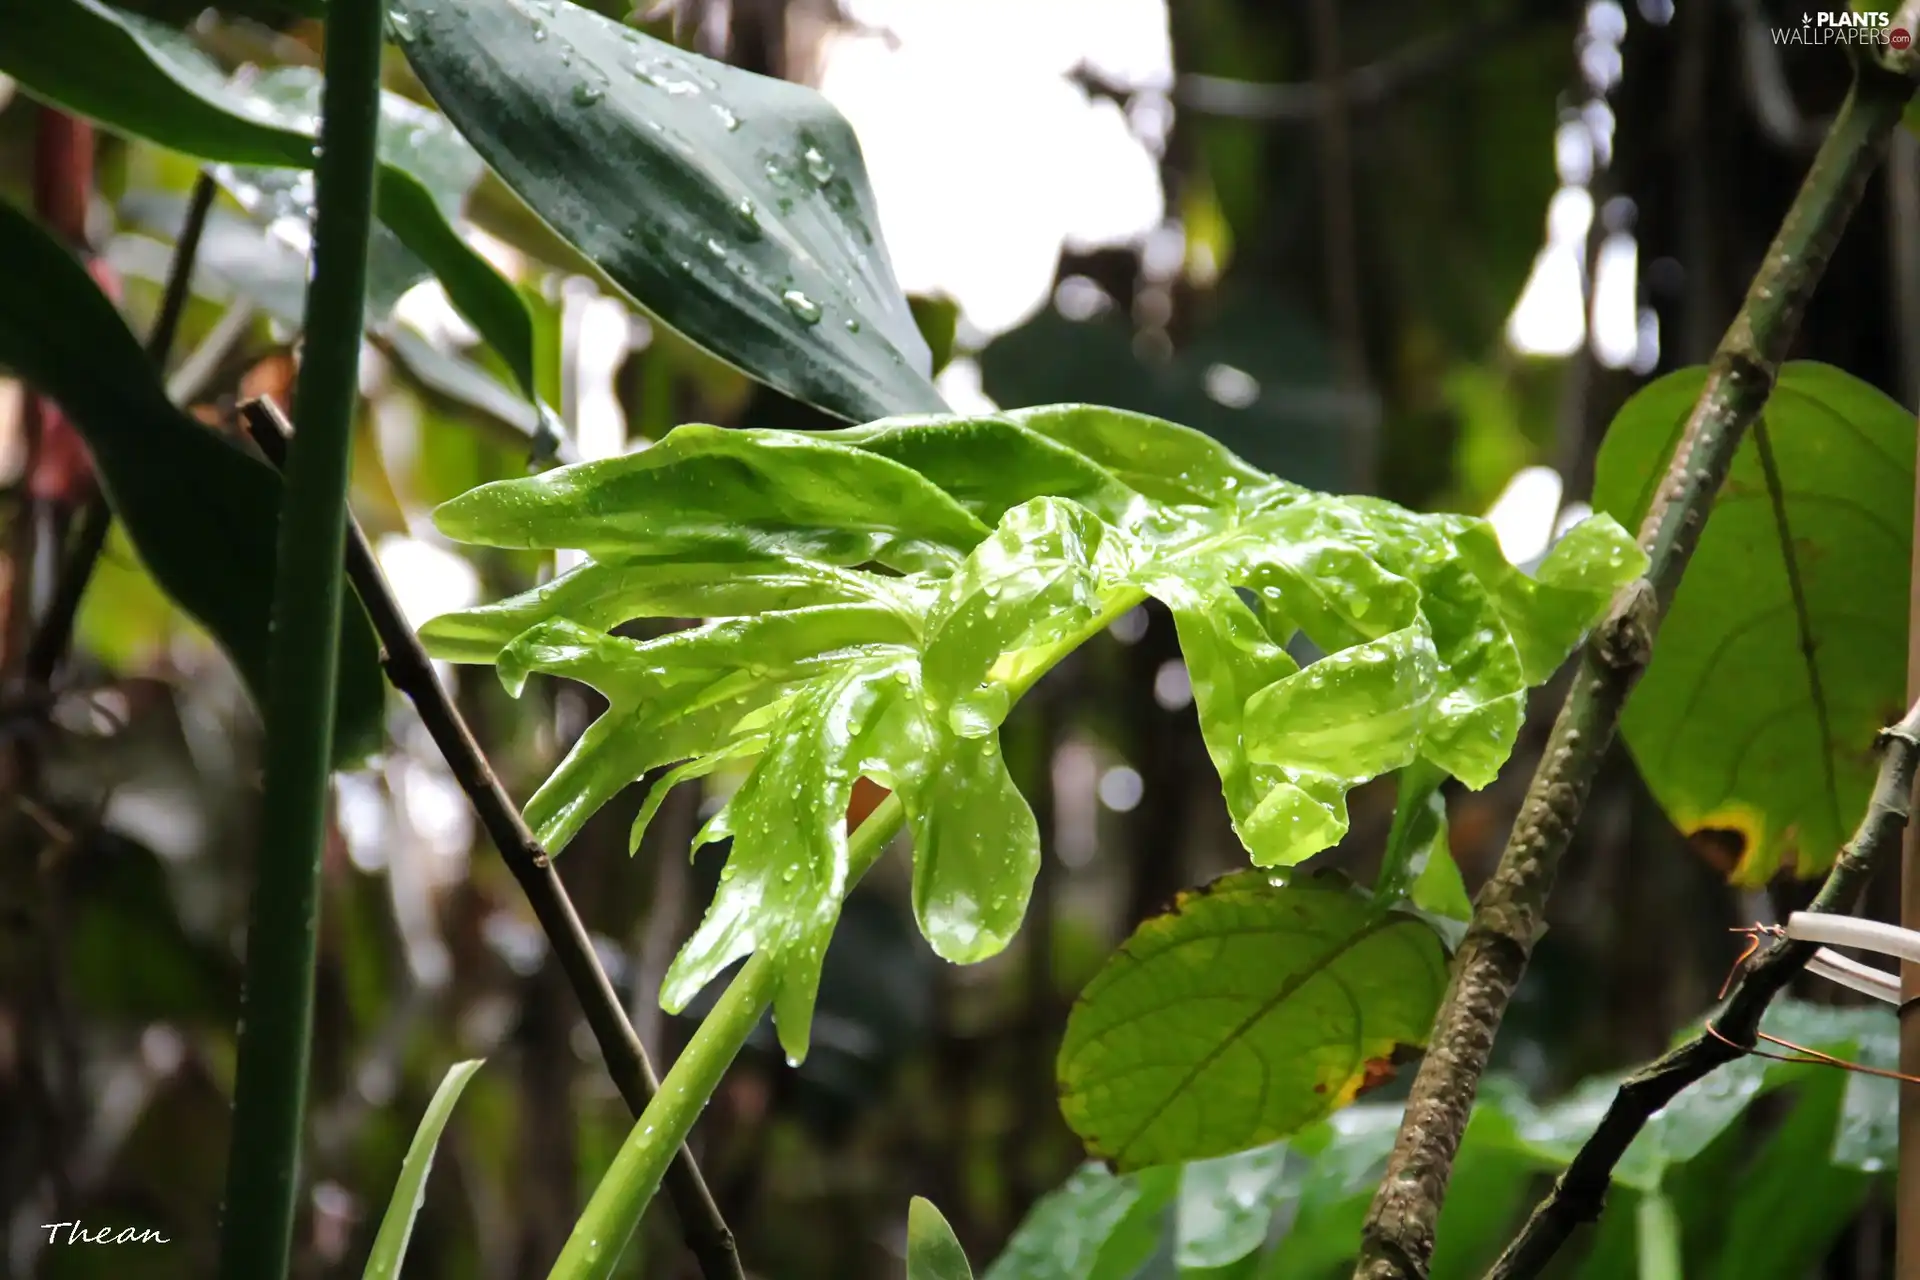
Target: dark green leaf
[1251, 1010]
[932, 1251]
[150, 81]
[1785, 1220]
[1785, 651]
[734, 207]
[203, 515]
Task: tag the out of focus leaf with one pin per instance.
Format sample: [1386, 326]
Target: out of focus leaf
[203, 515]
[733, 206]
[884, 594]
[1785, 651]
[1063, 1236]
[1226, 1202]
[1251, 1010]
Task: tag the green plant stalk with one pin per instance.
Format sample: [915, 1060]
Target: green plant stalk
[1399, 1235]
[277, 1014]
[593, 1250]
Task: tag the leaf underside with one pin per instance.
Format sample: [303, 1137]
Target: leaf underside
[1784, 653]
[882, 595]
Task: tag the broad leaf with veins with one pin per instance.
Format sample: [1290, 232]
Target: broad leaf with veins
[883, 594]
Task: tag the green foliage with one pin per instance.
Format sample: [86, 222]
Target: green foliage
[1258, 1005]
[214, 554]
[932, 1251]
[1785, 651]
[390, 1245]
[885, 593]
[1419, 868]
[1754, 1198]
[150, 81]
[733, 206]
[1097, 1226]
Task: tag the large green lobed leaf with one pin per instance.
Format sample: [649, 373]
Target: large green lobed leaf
[1784, 653]
[882, 595]
[733, 206]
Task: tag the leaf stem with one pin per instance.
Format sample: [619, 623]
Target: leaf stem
[411, 671]
[593, 1250]
[276, 1031]
[1398, 1238]
[1579, 1192]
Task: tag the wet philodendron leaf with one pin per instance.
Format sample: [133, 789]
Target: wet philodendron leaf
[733, 206]
[1784, 653]
[882, 596]
[1253, 1008]
[147, 80]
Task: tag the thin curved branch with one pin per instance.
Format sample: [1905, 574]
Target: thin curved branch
[1579, 1192]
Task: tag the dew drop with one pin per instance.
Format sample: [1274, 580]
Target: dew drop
[566, 53]
[776, 173]
[818, 167]
[729, 120]
[585, 95]
[804, 309]
[401, 23]
[853, 326]
[539, 31]
[718, 250]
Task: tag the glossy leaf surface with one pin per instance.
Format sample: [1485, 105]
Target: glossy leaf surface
[1785, 648]
[1252, 1009]
[149, 81]
[214, 554]
[882, 596]
[733, 206]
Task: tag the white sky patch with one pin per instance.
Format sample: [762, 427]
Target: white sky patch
[985, 159]
[427, 580]
[1523, 515]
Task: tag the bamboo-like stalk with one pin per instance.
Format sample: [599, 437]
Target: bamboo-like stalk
[270, 1087]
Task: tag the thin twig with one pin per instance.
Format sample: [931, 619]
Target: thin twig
[411, 672]
[1579, 1192]
[89, 538]
[1398, 1239]
[1364, 88]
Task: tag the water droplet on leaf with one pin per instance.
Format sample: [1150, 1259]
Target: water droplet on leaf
[804, 309]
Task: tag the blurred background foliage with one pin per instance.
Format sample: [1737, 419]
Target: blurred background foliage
[1374, 246]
